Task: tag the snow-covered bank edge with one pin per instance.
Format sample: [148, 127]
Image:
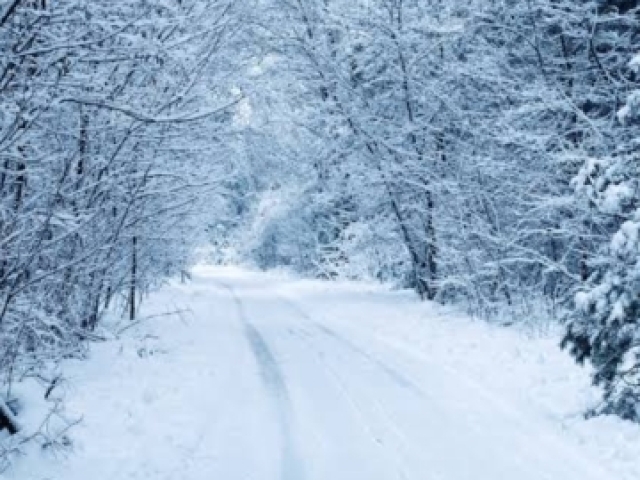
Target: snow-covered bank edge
[43, 403]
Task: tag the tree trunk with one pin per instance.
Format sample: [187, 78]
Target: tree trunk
[134, 274]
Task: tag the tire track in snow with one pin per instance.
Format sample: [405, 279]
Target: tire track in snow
[395, 454]
[391, 373]
[291, 467]
[408, 448]
[274, 381]
[398, 454]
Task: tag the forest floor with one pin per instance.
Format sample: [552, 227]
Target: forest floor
[265, 377]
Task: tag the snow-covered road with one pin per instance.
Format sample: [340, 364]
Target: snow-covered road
[265, 381]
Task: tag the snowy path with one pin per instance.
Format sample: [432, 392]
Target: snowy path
[260, 385]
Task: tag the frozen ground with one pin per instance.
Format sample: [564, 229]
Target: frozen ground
[269, 378]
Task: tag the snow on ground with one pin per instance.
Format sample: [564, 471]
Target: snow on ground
[270, 378]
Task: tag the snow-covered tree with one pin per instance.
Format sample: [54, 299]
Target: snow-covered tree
[111, 119]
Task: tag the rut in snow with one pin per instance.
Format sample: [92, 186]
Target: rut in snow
[271, 375]
[390, 372]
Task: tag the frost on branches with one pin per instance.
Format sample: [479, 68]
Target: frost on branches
[605, 326]
[107, 162]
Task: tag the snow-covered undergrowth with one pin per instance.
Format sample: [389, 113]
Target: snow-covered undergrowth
[82, 422]
[175, 396]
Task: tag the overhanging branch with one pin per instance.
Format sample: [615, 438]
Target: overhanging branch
[148, 118]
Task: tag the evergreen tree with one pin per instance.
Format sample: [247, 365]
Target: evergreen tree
[604, 328]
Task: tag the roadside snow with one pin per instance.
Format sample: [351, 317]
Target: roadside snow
[270, 378]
